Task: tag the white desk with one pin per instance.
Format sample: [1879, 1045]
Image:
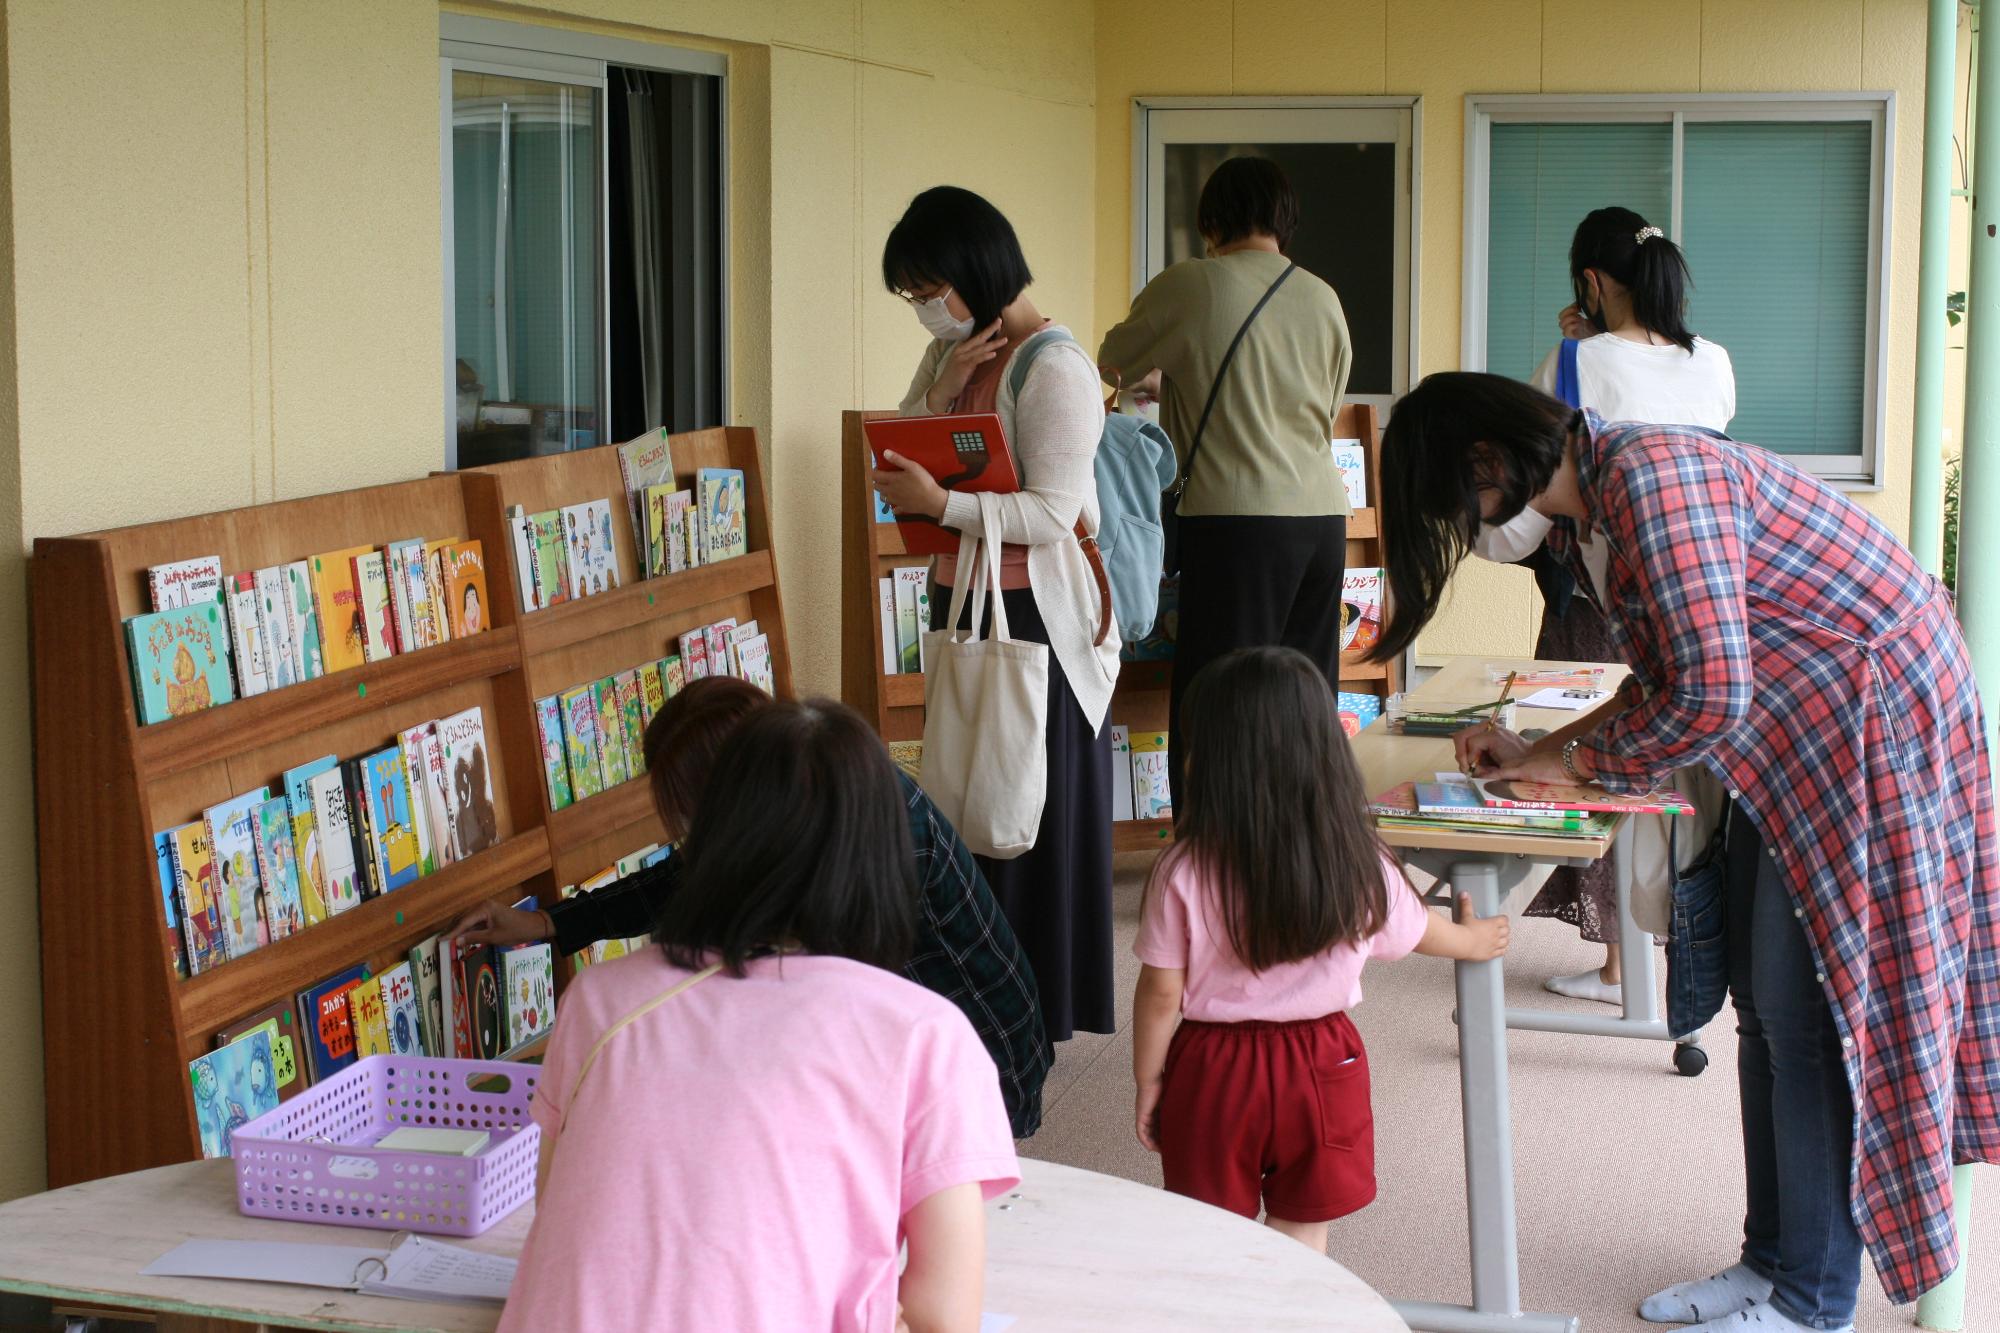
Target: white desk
[1070, 1250]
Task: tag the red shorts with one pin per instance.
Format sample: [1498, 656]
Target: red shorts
[1270, 1113]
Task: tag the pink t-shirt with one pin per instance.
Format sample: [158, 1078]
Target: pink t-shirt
[1182, 927]
[742, 1156]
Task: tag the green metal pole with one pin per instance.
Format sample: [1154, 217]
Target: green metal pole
[1943, 1306]
[1933, 274]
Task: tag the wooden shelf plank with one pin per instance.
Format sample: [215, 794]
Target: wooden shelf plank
[607, 613]
[1352, 668]
[594, 816]
[1363, 525]
[278, 971]
[889, 540]
[903, 691]
[182, 743]
[1143, 677]
[1142, 835]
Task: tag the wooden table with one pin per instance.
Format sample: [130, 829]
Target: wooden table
[1069, 1250]
[1501, 871]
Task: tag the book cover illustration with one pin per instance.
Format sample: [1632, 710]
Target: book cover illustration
[180, 661]
[965, 453]
[694, 652]
[652, 692]
[279, 1022]
[593, 558]
[1353, 468]
[239, 892]
[658, 531]
[720, 663]
[371, 585]
[720, 493]
[528, 980]
[360, 829]
[645, 463]
[411, 743]
[885, 616]
[691, 532]
[436, 574]
[1357, 710]
[736, 637]
[521, 536]
[399, 1008]
[329, 1027]
[246, 634]
[610, 733]
[1399, 805]
[434, 780]
[1152, 797]
[631, 719]
[1121, 773]
[332, 821]
[430, 1000]
[163, 858]
[305, 836]
[278, 868]
[1511, 795]
[581, 746]
[753, 660]
[472, 993]
[551, 557]
[232, 1087]
[274, 625]
[304, 620]
[416, 614]
[555, 762]
[673, 676]
[398, 859]
[369, 1019]
[678, 513]
[194, 880]
[465, 586]
[911, 582]
[1360, 610]
[475, 825]
[180, 583]
[342, 638]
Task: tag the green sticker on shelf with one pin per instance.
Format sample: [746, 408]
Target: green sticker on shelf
[649, 599]
[399, 918]
[362, 689]
[1163, 833]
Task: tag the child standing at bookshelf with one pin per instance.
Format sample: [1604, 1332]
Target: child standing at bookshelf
[1254, 932]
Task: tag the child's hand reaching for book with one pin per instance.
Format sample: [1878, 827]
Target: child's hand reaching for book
[907, 488]
[497, 923]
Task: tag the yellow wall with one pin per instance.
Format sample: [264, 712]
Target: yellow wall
[1444, 49]
[225, 283]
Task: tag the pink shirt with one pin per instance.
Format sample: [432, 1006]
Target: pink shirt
[742, 1156]
[1181, 926]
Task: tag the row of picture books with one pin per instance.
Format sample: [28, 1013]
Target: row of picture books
[604, 951]
[211, 638]
[260, 867]
[905, 614]
[1484, 805]
[446, 999]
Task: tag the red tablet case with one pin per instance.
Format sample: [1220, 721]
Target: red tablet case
[965, 453]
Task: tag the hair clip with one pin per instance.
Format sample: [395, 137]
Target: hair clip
[1646, 234]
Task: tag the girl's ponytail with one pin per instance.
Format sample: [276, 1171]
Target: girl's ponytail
[1620, 243]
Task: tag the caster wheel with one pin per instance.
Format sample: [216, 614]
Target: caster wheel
[1690, 1060]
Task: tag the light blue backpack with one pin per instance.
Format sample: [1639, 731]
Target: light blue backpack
[1135, 463]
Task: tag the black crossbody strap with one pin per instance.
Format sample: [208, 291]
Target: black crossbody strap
[1223, 369]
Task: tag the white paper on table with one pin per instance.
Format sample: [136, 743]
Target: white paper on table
[996, 1323]
[1569, 701]
[414, 1269]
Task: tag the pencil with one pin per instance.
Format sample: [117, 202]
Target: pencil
[1493, 718]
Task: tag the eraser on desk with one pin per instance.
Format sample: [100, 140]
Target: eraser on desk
[450, 1142]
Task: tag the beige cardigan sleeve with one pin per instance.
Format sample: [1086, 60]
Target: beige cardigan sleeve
[1057, 422]
[914, 402]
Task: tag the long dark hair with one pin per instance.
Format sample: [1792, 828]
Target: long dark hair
[1273, 810]
[1454, 435]
[1653, 270]
[800, 841]
[953, 236]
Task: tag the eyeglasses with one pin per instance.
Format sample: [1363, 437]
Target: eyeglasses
[914, 298]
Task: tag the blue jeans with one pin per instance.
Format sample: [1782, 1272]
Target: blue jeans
[1798, 1113]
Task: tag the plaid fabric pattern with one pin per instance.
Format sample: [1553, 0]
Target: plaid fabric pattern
[1790, 642]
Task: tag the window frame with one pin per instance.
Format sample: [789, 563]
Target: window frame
[534, 51]
[1859, 471]
[1408, 241]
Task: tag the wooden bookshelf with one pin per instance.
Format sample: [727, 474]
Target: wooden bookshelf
[895, 703]
[119, 1026]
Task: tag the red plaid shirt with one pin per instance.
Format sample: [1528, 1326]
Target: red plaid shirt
[1791, 643]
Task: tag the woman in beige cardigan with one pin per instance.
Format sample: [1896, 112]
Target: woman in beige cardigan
[955, 258]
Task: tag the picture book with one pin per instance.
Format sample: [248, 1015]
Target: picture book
[399, 1008]
[737, 636]
[371, 584]
[232, 1086]
[652, 692]
[691, 533]
[279, 1022]
[673, 676]
[410, 594]
[964, 453]
[753, 660]
[521, 536]
[331, 822]
[232, 842]
[436, 573]
[1357, 710]
[342, 636]
[305, 836]
[327, 1026]
[181, 583]
[1401, 803]
[719, 661]
[659, 531]
[411, 743]
[465, 588]
[1360, 610]
[580, 743]
[246, 634]
[278, 868]
[481, 979]
[883, 514]
[555, 764]
[1353, 467]
[274, 626]
[304, 620]
[194, 880]
[910, 584]
[593, 559]
[360, 836]
[475, 825]
[163, 857]
[885, 614]
[398, 858]
[369, 1018]
[1121, 773]
[433, 779]
[719, 492]
[1448, 798]
[1152, 796]
[610, 733]
[551, 557]
[631, 719]
[180, 661]
[528, 981]
[677, 512]
[694, 652]
[430, 1001]
[644, 464]
[1510, 795]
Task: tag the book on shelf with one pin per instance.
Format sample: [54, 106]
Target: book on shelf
[434, 779]
[369, 1019]
[885, 613]
[754, 659]
[180, 661]
[437, 575]
[694, 653]
[912, 582]
[528, 981]
[475, 824]
[475, 996]
[1121, 773]
[737, 636]
[232, 1086]
[194, 877]
[232, 842]
[691, 532]
[527, 577]
[431, 1027]
[593, 553]
[399, 1010]
[398, 859]
[304, 620]
[652, 692]
[632, 726]
[163, 858]
[409, 595]
[246, 634]
[465, 588]
[1353, 466]
[644, 462]
[180, 583]
[719, 492]
[1360, 610]
[673, 675]
[580, 741]
[676, 510]
[332, 833]
[1152, 793]
[610, 733]
[305, 836]
[278, 868]
[371, 586]
[551, 557]
[280, 1023]
[338, 603]
[1356, 710]
[327, 1026]
[274, 627]
[555, 763]
[360, 831]
[717, 642]
[411, 742]
[964, 453]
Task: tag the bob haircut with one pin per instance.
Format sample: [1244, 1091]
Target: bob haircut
[684, 736]
[1245, 196]
[954, 237]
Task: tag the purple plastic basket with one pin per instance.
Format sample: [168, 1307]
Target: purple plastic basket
[311, 1160]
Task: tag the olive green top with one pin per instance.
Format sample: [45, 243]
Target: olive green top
[1268, 446]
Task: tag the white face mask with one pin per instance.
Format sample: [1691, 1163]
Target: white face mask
[1516, 539]
[937, 320]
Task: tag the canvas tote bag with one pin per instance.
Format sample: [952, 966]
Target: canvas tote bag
[986, 701]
